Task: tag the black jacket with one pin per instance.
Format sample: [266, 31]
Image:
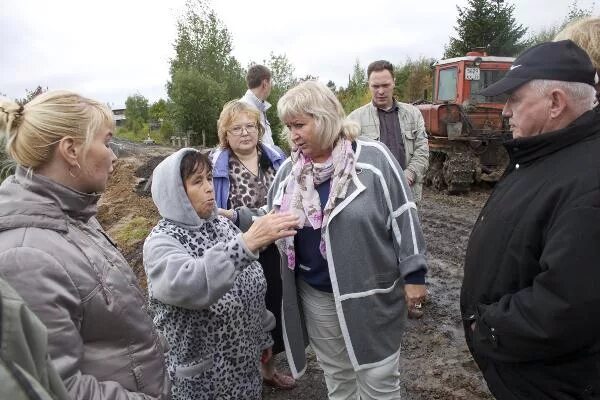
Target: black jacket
[532, 270]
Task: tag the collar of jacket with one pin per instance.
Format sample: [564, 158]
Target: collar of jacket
[526, 150]
[77, 205]
[220, 159]
[395, 107]
[262, 105]
[30, 200]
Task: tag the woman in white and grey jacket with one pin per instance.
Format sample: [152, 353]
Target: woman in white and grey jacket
[358, 257]
[206, 287]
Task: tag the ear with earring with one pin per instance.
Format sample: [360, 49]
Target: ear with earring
[78, 167]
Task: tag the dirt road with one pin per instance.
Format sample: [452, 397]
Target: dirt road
[435, 362]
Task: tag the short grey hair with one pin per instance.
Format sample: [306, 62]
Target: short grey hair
[317, 100]
[582, 94]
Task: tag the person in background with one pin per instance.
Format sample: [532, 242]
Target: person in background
[56, 255]
[259, 84]
[206, 288]
[358, 259]
[585, 32]
[243, 170]
[530, 298]
[399, 126]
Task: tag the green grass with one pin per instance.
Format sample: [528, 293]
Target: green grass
[140, 136]
[133, 232]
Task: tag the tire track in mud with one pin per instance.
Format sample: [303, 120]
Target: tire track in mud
[436, 363]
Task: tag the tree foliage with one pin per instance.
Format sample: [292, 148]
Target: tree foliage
[282, 72]
[487, 24]
[136, 112]
[202, 60]
[414, 80]
[356, 93]
[197, 102]
[282, 78]
[30, 94]
[159, 110]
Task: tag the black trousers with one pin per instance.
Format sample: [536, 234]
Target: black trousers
[270, 261]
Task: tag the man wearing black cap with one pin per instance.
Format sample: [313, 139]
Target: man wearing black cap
[530, 299]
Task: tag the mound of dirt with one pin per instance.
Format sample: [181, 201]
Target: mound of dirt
[126, 215]
[144, 173]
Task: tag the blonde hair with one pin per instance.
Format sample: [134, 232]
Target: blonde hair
[231, 111]
[317, 100]
[32, 130]
[585, 32]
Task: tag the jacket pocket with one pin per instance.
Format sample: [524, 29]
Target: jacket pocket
[370, 131]
[410, 137]
[193, 369]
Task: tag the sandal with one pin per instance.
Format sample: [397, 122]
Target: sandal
[280, 381]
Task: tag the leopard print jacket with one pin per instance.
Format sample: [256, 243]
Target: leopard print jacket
[215, 352]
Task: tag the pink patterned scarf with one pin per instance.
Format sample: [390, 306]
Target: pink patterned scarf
[302, 199]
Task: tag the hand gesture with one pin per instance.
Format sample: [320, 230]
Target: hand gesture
[225, 213]
[269, 228]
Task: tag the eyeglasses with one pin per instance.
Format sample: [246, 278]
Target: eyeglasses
[237, 130]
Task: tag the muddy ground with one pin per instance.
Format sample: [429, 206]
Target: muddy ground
[435, 362]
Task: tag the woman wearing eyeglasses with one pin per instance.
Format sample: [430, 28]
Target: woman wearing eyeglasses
[244, 169]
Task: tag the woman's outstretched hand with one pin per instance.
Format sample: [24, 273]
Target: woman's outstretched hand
[225, 213]
[269, 228]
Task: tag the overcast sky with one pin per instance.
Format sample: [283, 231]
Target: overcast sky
[113, 48]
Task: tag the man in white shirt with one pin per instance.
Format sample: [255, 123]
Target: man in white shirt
[259, 84]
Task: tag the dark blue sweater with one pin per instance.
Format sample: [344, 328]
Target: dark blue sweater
[310, 264]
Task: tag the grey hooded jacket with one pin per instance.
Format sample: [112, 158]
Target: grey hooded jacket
[54, 253]
[206, 292]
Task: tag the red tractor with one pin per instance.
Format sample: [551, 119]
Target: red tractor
[466, 129]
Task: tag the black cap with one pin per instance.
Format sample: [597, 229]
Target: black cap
[557, 61]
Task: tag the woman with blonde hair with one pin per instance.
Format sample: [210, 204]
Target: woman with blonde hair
[358, 259]
[56, 255]
[585, 32]
[244, 168]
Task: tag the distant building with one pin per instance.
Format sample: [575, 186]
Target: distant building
[119, 116]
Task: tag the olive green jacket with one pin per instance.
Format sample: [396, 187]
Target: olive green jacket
[413, 134]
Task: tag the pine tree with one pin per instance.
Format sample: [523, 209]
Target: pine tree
[487, 24]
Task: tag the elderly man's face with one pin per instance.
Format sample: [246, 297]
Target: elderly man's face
[528, 112]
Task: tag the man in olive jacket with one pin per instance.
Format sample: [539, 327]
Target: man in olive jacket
[530, 298]
[399, 126]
